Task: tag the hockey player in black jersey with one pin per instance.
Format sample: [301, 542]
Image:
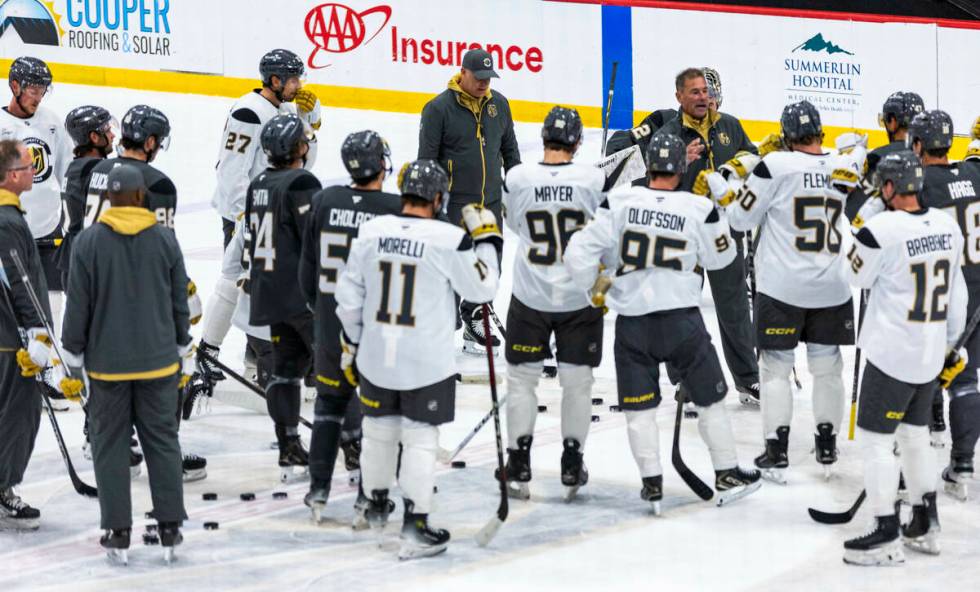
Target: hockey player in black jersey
[336, 215]
[277, 206]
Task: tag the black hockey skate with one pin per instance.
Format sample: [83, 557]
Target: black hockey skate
[373, 512]
[474, 341]
[937, 425]
[316, 498]
[418, 539]
[15, 514]
[735, 483]
[197, 393]
[922, 532]
[573, 471]
[519, 469]
[294, 461]
[352, 460]
[877, 547]
[774, 461]
[116, 544]
[195, 467]
[135, 463]
[653, 492]
[170, 537]
[825, 447]
[957, 475]
[749, 395]
[208, 370]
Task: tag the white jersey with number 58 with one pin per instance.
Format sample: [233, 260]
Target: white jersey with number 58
[800, 252]
[545, 204]
[395, 298]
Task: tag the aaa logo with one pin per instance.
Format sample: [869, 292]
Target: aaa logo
[336, 28]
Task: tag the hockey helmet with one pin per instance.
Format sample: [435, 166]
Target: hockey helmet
[365, 154]
[666, 153]
[934, 129]
[562, 126]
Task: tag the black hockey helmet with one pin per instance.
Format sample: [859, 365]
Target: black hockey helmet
[562, 126]
[29, 71]
[902, 106]
[365, 154]
[143, 121]
[903, 169]
[713, 79]
[424, 178]
[934, 129]
[666, 153]
[282, 63]
[798, 121]
[82, 121]
[281, 135]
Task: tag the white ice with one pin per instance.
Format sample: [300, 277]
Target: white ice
[607, 538]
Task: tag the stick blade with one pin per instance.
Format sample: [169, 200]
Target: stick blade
[837, 517]
[85, 489]
[486, 534]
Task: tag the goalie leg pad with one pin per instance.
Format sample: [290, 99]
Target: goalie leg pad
[576, 400]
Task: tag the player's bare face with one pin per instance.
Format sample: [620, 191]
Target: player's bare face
[292, 87]
[473, 86]
[693, 98]
[30, 97]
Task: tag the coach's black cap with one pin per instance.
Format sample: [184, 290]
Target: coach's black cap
[125, 178]
[480, 63]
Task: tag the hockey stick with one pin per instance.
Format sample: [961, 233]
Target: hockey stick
[846, 516]
[857, 369]
[243, 381]
[607, 112]
[496, 321]
[486, 534]
[447, 455]
[80, 486]
[693, 481]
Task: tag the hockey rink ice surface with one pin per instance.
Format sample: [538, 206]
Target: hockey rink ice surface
[606, 538]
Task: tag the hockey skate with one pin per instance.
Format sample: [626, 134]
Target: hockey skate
[774, 461]
[294, 461]
[879, 546]
[937, 425]
[15, 514]
[195, 467]
[749, 395]
[474, 341]
[734, 484]
[316, 498]
[116, 544]
[352, 460]
[573, 471]
[653, 492]
[208, 370]
[825, 447]
[197, 393]
[170, 537]
[956, 476]
[418, 538]
[135, 462]
[519, 469]
[921, 534]
[373, 512]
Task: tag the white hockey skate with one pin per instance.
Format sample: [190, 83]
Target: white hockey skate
[734, 484]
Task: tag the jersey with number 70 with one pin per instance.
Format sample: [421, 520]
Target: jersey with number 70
[395, 298]
[799, 259]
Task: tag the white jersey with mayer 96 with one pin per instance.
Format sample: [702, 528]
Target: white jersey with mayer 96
[917, 305]
[544, 205]
[654, 239]
[800, 252]
[51, 152]
[395, 298]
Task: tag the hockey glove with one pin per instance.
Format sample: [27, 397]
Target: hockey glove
[975, 130]
[721, 190]
[188, 363]
[38, 353]
[701, 183]
[597, 293]
[347, 359]
[741, 166]
[70, 387]
[973, 150]
[846, 142]
[308, 106]
[771, 143]
[193, 302]
[954, 364]
[482, 225]
[871, 208]
[849, 169]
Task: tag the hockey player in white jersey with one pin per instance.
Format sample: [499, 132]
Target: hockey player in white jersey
[655, 237]
[395, 301]
[910, 258]
[802, 296]
[240, 159]
[545, 204]
[43, 132]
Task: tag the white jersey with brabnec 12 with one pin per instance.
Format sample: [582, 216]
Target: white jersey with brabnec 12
[545, 204]
[396, 298]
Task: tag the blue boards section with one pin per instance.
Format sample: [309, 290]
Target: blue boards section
[617, 45]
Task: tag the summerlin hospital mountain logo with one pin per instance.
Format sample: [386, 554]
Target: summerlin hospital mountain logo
[825, 73]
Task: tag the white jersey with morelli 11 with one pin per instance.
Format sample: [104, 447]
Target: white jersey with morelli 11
[545, 204]
[917, 305]
[51, 152]
[395, 298]
[800, 254]
[654, 239]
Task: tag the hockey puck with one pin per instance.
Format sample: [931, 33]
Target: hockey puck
[279, 495]
[459, 464]
[150, 539]
[542, 408]
[597, 401]
[595, 418]
[247, 497]
[210, 526]
[614, 408]
[209, 497]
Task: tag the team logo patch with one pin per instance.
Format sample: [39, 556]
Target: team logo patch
[849, 325]
[433, 405]
[40, 158]
[721, 387]
[492, 110]
[724, 139]
[593, 347]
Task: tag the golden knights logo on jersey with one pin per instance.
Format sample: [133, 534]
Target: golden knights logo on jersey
[40, 158]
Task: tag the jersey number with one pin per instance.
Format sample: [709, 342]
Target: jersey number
[93, 207]
[635, 253]
[818, 218]
[970, 225]
[940, 287]
[405, 316]
[334, 247]
[551, 233]
[241, 139]
[265, 249]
